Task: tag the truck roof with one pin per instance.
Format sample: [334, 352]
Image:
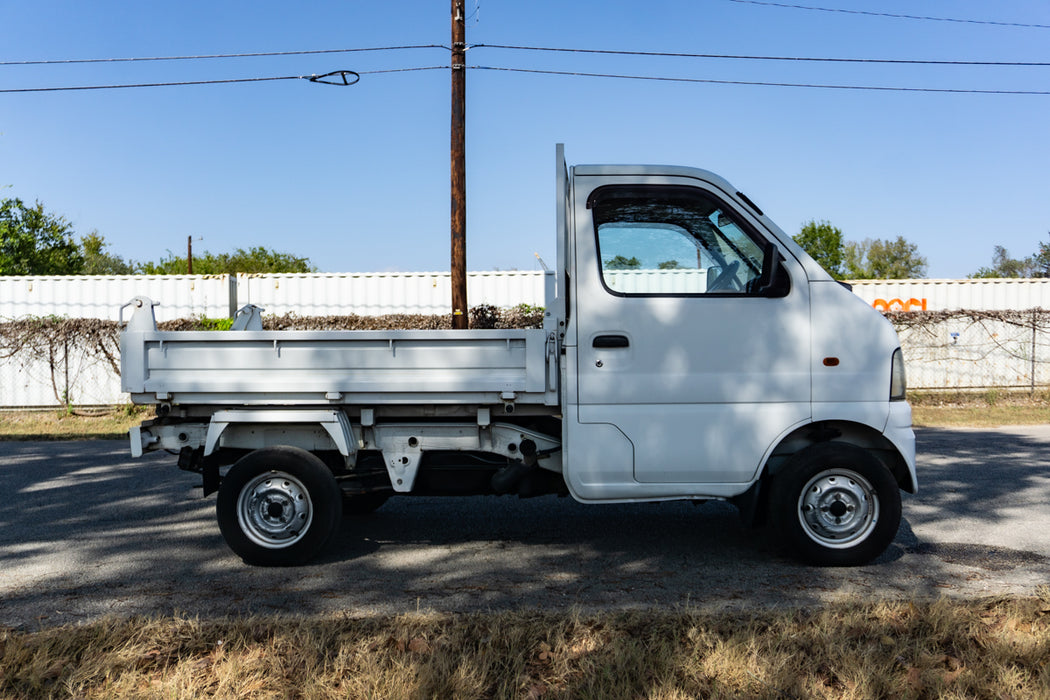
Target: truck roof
[671, 170]
[813, 269]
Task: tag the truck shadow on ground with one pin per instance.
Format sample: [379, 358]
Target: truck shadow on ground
[87, 531]
[972, 485]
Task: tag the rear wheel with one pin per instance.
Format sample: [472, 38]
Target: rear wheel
[278, 506]
[835, 504]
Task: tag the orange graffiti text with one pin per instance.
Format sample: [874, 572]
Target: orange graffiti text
[900, 305]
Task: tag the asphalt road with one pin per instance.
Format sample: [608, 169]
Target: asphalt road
[87, 531]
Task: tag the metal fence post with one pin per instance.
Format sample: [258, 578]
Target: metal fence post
[1035, 320]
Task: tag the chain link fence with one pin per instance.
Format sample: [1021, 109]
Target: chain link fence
[999, 342]
[975, 349]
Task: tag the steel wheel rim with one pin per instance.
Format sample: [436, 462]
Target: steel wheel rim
[838, 508]
[274, 510]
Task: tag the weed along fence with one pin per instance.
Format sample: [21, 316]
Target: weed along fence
[976, 349]
[968, 334]
[45, 361]
[58, 335]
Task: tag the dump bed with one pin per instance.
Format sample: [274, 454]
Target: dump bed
[253, 367]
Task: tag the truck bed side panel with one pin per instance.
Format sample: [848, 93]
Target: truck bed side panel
[394, 366]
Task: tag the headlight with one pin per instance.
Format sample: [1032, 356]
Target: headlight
[898, 386]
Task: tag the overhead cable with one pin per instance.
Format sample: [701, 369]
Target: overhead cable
[669, 54]
[893, 15]
[743, 57]
[763, 83]
[219, 55]
[326, 78]
[711, 81]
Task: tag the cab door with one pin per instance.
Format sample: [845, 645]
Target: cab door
[689, 363]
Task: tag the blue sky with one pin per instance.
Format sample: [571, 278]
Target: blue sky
[356, 178]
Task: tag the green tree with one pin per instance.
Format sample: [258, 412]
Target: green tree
[97, 261]
[1035, 265]
[257, 259]
[883, 259]
[621, 263]
[824, 244]
[35, 242]
[1003, 266]
[1040, 261]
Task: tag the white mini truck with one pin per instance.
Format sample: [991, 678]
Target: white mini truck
[689, 350]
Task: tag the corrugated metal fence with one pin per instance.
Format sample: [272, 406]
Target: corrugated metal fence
[954, 295]
[984, 333]
[975, 333]
[219, 296]
[184, 296]
[377, 294]
[35, 381]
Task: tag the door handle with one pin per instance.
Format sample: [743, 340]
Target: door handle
[610, 341]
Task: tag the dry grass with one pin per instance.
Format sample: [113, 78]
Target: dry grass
[60, 424]
[993, 648]
[979, 409]
[953, 649]
[982, 409]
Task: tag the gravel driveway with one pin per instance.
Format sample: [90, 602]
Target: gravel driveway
[87, 531]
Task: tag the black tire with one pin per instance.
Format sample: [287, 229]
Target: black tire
[364, 503]
[278, 506]
[835, 504]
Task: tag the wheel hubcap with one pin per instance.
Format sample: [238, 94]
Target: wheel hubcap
[274, 510]
[838, 508]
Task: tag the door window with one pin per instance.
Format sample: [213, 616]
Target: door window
[673, 240]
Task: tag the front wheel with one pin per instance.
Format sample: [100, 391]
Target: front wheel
[834, 504]
[278, 506]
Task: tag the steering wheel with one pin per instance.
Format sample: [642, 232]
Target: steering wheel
[726, 279]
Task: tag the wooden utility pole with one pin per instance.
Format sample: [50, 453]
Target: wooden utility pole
[189, 255]
[459, 167]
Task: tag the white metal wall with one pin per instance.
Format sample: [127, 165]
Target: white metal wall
[180, 296]
[975, 352]
[684, 281]
[30, 382]
[376, 294]
[954, 360]
[951, 295]
[27, 382]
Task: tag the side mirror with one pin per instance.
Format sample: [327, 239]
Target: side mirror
[770, 270]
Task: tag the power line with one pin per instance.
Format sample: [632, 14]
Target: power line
[742, 57]
[620, 76]
[667, 54]
[712, 81]
[314, 78]
[69, 88]
[895, 16]
[400, 70]
[218, 55]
